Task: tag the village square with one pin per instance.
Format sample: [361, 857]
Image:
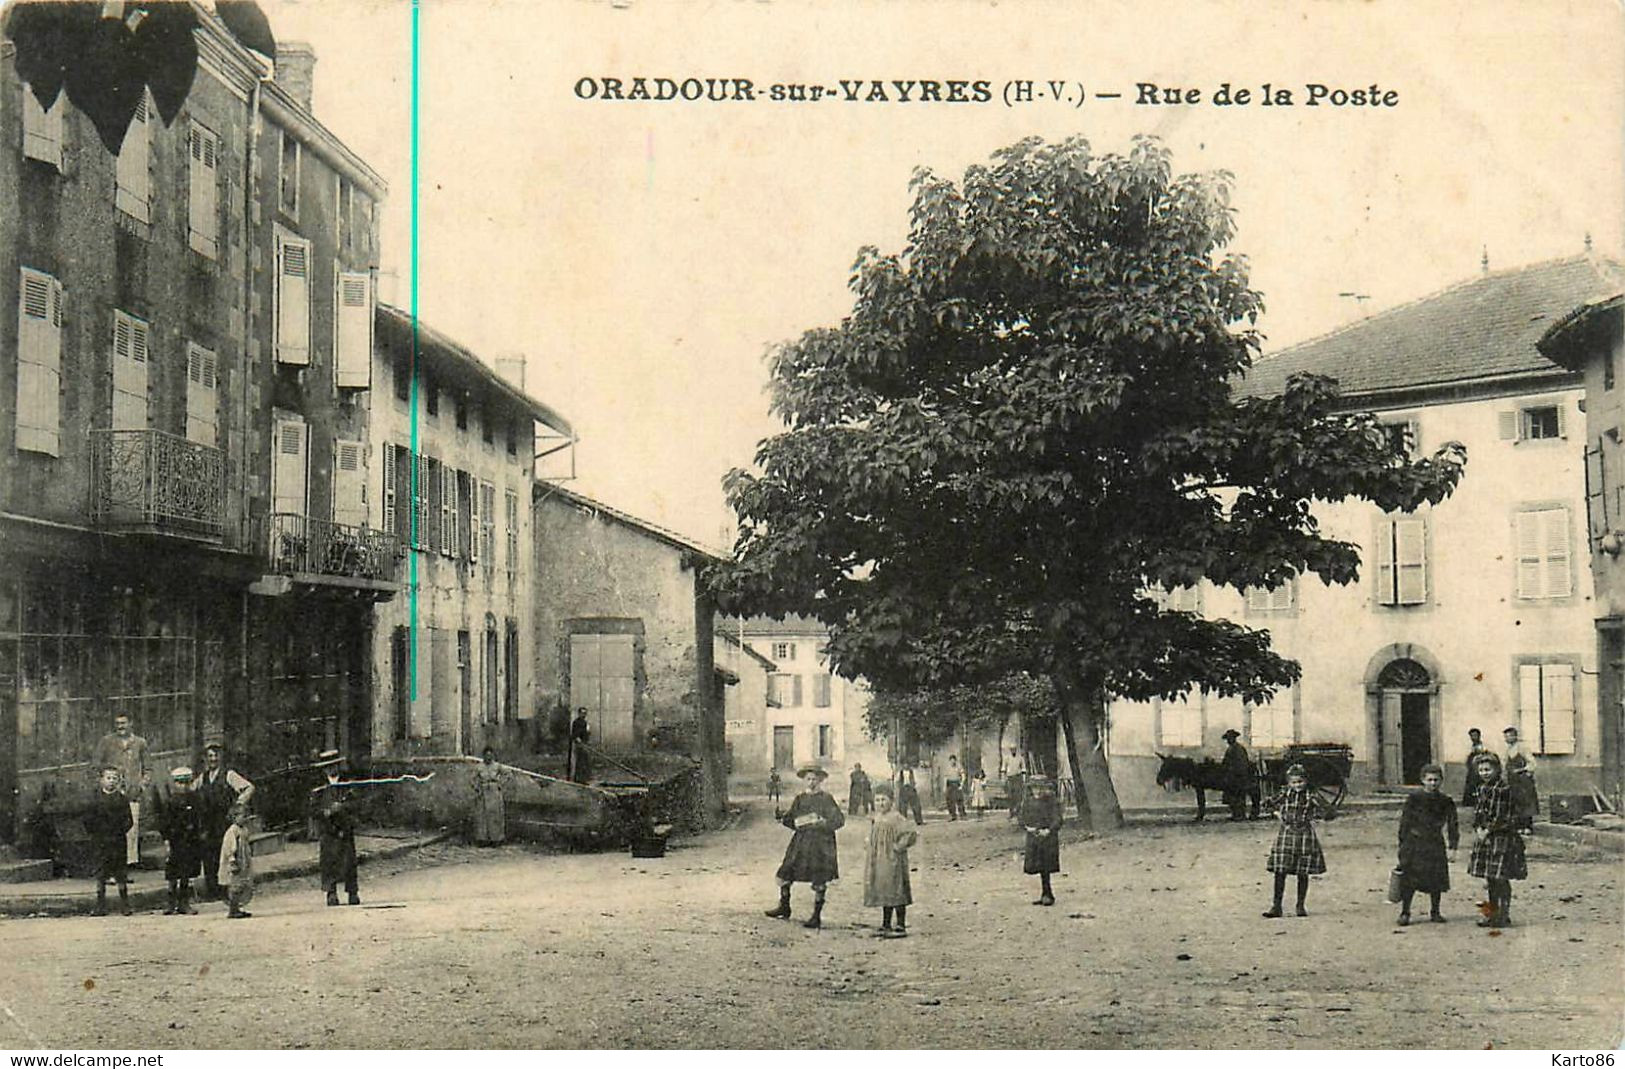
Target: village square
[1071, 665]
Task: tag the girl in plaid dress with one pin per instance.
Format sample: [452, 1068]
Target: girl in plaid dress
[1498, 856]
[1296, 850]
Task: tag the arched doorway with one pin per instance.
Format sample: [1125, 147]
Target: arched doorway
[1404, 721]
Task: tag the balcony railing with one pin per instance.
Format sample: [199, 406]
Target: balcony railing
[150, 481]
[301, 545]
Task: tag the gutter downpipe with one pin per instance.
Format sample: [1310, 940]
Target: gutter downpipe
[245, 534]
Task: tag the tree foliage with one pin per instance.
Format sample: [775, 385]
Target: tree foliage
[930, 715]
[1030, 422]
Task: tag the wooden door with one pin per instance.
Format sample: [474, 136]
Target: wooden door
[1388, 737]
[784, 749]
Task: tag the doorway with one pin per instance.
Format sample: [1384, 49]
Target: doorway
[1405, 727]
[784, 747]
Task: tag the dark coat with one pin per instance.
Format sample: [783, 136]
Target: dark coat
[810, 857]
[214, 798]
[335, 825]
[1426, 826]
[1043, 853]
[180, 820]
[1238, 773]
[107, 821]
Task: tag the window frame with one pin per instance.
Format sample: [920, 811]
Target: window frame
[1532, 731]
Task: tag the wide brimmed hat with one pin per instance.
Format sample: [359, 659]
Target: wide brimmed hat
[1231, 734]
[812, 770]
[180, 774]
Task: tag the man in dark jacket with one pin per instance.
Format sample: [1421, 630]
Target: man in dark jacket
[217, 790]
[859, 796]
[1238, 775]
[335, 829]
[810, 857]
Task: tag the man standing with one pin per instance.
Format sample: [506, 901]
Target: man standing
[580, 759]
[1238, 775]
[954, 788]
[217, 789]
[858, 795]
[1015, 782]
[1520, 773]
[1469, 792]
[126, 751]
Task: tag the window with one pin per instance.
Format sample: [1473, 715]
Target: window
[510, 671]
[1271, 599]
[290, 468]
[292, 299]
[39, 361]
[1546, 707]
[465, 676]
[42, 130]
[202, 407]
[1403, 435]
[462, 413]
[784, 690]
[1182, 599]
[466, 504]
[487, 430]
[434, 539]
[510, 502]
[288, 176]
[349, 484]
[491, 691]
[826, 740]
[1181, 722]
[784, 651]
[1272, 725]
[431, 397]
[821, 688]
[448, 511]
[1537, 421]
[130, 336]
[352, 328]
[513, 439]
[488, 526]
[403, 378]
[1402, 561]
[132, 193]
[1543, 553]
[203, 211]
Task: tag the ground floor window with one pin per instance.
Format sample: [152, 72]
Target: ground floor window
[826, 740]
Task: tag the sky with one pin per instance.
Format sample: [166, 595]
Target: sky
[642, 255]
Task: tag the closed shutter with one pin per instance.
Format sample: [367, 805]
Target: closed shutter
[39, 361]
[130, 353]
[203, 213]
[488, 524]
[1385, 563]
[202, 396]
[293, 301]
[290, 469]
[42, 130]
[1557, 709]
[795, 691]
[353, 346]
[821, 690]
[448, 511]
[389, 517]
[511, 504]
[349, 484]
[1543, 553]
[420, 503]
[475, 528]
[134, 181]
[434, 536]
[1410, 560]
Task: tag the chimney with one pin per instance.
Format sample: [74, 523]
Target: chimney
[1484, 261]
[296, 70]
[511, 366]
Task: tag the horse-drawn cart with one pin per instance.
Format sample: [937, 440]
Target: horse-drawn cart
[1326, 764]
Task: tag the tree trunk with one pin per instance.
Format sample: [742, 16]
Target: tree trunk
[1078, 704]
[1078, 793]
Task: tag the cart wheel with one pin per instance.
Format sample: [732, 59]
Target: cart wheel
[1331, 795]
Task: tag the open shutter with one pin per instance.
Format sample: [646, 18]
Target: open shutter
[1562, 419]
[448, 511]
[293, 301]
[130, 337]
[1531, 575]
[202, 396]
[475, 527]
[1506, 425]
[1554, 533]
[404, 509]
[1557, 709]
[1529, 697]
[290, 468]
[1385, 562]
[1410, 560]
[134, 180]
[488, 524]
[203, 214]
[353, 346]
[511, 501]
[389, 519]
[39, 361]
[42, 130]
[349, 484]
[435, 532]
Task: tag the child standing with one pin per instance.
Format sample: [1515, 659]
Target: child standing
[1296, 851]
[978, 793]
[181, 820]
[810, 857]
[1498, 854]
[1041, 816]
[237, 864]
[1428, 821]
[108, 822]
[885, 869]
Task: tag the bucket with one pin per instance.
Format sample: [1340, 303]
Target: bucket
[649, 846]
[1396, 885]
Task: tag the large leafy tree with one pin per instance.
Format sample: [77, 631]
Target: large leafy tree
[1029, 424]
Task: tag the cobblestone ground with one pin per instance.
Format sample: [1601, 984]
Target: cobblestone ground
[1156, 941]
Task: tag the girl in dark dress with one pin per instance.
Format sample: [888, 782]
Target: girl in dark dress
[810, 857]
[1041, 816]
[1426, 827]
[1296, 851]
[1498, 856]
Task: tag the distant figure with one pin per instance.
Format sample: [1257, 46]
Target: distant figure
[126, 751]
[1475, 746]
[1520, 777]
[773, 786]
[1041, 817]
[860, 795]
[217, 789]
[236, 862]
[810, 858]
[490, 803]
[1427, 827]
[1015, 782]
[335, 827]
[885, 866]
[908, 796]
[978, 793]
[1238, 775]
[107, 822]
[580, 759]
[953, 782]
[180, 818]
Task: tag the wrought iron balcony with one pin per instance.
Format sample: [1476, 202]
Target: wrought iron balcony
[305, 547]
[152, 482]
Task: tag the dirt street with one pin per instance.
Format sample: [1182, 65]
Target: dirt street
[1156, 941]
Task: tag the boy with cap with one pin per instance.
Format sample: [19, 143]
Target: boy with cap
[810, 858]
[107, 822]
[181, 822]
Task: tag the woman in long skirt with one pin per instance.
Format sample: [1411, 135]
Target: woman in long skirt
[1498, 856]
[490, 805]
[1426, 827]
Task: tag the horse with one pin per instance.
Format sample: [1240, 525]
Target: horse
[1177, 773]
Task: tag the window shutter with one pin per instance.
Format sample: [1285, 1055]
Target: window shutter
[511, 501]
[1562, 419]
[1257, 599]
[821, 690]
[1506, 425]
[202, 396]
[293, 301]
[795, 691]
[389, 488]
[353, 347]
[474, 531]
[349, 484]
[434, 536]
[420, 503]
[203, 215]
[39, 361]
[130, 337]
[1529, 696]
[1557, 709]
[448, 511]
[1385, 562]
[1555, 539]
[1530, 572]
[1410, 552]
[403, 495]
[132, 194]
[42, 130]
[288, 475]
[488, 524]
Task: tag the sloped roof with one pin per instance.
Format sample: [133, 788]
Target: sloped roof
[790, 625]
[1483, 328]
[730, 639]
[1570, 340]
[541, 489]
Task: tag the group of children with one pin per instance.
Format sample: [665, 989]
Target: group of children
[1427, 830]
[181, 822]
